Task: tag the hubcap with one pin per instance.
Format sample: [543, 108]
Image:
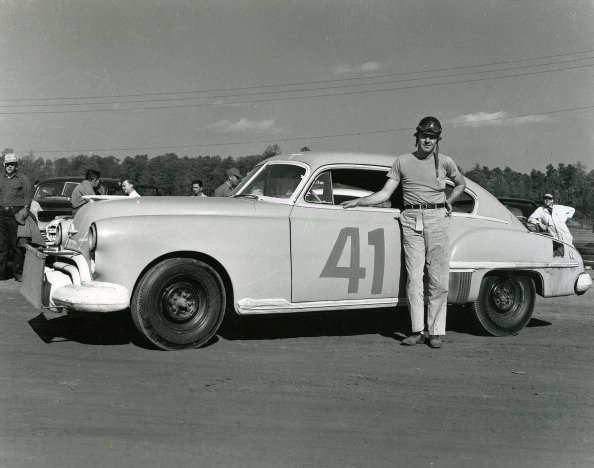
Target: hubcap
[503, 295]
[181, 302]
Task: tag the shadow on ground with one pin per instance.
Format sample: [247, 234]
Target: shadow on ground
[391, 323]
[116, 328]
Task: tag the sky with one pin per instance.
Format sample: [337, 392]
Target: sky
[509, 79]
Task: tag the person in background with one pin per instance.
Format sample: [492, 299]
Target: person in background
[86, 187]
[15, 195]
[128, 188]
[233, 179]
[551, 218]
[425, 226]
[197, 189]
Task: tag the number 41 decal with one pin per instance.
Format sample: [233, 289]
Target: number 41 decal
[354, 272]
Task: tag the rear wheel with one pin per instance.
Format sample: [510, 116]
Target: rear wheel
[505, 303]
[179, 303]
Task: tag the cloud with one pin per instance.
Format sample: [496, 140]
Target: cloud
[364, 67]
[244, 125]
[497, 118]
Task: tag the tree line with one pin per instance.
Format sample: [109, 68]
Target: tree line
[570, 184]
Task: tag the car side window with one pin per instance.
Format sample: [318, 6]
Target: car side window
[334, 186]
[464, 203]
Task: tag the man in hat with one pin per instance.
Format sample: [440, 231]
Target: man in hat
[233, 178]
[425, 225]
[551, 218]
[15, 194]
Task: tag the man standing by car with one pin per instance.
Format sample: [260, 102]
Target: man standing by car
[425, 224]
[86, 187]
[233, 178]
[197, 189]
[15, 194]
[128, 188]
[551, 218]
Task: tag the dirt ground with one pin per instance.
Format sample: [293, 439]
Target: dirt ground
[332, 389]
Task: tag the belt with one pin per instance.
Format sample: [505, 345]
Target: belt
[8, 208]
[427, 206]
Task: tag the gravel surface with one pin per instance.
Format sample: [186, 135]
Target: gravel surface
[332, 389]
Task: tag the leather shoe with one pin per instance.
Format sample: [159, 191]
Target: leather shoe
[435, 341]
[416, 338]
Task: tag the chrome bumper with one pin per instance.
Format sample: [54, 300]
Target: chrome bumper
[68, 284]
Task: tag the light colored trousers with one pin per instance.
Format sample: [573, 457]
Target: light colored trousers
[426, 244]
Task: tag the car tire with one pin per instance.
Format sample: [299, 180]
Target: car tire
[179, 304]
[505, 303]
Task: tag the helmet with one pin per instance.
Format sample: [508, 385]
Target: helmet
[429, 125]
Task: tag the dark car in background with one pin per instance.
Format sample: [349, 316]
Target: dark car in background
[520, 207]
[523, 208]
[53, 195]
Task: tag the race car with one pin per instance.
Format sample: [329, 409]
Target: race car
[282, 243]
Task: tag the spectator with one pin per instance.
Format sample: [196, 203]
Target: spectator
[128, 188]
[551, 218]
[197, 189]
[233, 179]
[15, 194]
[86, 187]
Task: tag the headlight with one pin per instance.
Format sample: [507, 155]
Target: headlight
[92, 238]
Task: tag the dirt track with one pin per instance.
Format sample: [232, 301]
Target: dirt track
[314, 390]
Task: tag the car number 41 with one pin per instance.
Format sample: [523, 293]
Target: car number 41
[354, 271]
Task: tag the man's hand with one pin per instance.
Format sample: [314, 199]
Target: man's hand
[448, 207]
[350, 203]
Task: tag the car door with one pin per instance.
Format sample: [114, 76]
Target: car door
[342, 254]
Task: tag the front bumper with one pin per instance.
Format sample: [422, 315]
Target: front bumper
[66, 282]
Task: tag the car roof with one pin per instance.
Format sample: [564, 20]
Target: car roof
[74, 179]
[318, 159]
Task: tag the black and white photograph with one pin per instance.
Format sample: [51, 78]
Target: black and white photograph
[297, 233]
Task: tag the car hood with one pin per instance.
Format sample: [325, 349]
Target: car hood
[178, 206]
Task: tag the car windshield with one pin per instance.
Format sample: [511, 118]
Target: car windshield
[275, 180]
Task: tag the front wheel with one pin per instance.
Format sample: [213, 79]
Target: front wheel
[505, 303]
[179, 303]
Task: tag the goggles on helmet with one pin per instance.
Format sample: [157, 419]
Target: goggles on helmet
[429, 126]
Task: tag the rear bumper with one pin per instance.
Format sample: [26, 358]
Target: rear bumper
[66, 282]
[582, 283]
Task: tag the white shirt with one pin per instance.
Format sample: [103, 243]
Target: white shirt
[554, 222]
[133, 193]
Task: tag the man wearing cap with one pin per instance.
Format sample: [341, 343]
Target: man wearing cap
[551, 218]
[233, 178]
[425, 225]
[15, 194]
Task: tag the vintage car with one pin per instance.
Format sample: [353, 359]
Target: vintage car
[282, 243]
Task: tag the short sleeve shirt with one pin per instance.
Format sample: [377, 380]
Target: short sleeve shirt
[417, 176]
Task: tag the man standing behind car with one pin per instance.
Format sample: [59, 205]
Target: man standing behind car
[551, 218]
[86, 187]
[197, 189]
[425, 225]
[128, 188]
[233, 178]
[15, 194]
